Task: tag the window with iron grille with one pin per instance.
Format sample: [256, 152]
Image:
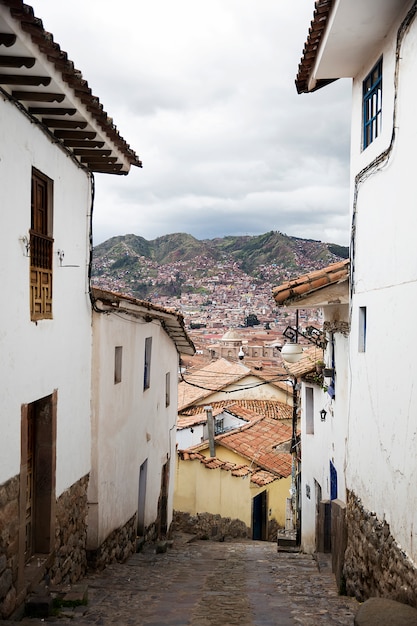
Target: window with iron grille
[372, 105]
[41, 245]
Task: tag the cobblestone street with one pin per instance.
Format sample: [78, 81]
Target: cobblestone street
[204, 583]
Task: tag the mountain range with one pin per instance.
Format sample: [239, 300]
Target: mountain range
[136, 265]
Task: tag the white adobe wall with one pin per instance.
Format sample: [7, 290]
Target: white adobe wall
[54, 354]
[129, 425]
[327, 443]
[382, 436]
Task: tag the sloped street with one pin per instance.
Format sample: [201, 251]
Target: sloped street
[204, 583]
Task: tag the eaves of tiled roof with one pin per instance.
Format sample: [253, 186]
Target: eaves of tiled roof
[266, 408]
[39, 78]
[307, 363]
[188, 421]
[259, 477]
[293, 290]
[311, 48]
[171, 321]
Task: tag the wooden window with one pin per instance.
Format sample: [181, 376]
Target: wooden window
[118, 355]
[41, 245]
[147, 363]
[372, 105]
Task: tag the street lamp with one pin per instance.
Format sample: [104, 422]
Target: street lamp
[293, 351]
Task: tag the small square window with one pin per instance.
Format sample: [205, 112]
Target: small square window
[118, 352]
[372, 105]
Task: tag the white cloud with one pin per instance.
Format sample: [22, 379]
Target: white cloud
[204, 93]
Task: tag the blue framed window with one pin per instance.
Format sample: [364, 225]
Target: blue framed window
[372, 105]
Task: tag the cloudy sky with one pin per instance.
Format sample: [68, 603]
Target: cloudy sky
[204, 93]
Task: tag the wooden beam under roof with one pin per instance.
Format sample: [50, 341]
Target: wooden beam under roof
[82, 143]
[51, 111]
[38, 96]
[9, 61]
[106, 168]
[75, 134]
[7, 39]
[82, 152]
[53, 123]
[98, 159]
[22, 79]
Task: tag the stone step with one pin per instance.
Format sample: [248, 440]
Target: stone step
[385, 612]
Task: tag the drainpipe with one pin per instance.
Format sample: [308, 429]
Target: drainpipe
[210, 426]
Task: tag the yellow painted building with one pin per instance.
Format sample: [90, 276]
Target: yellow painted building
[252, 487]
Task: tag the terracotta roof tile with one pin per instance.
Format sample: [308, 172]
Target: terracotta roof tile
[292, 290]
[312, 46]
[256, 442]
[215, 376]
[307, 363]
[187, 421]
[171, 321]
[267, 408]
[262, 478]
[71, 93]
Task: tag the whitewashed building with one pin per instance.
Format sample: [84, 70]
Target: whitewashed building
[374, 43]
[54, 135]
[136, 348]
[323, 403]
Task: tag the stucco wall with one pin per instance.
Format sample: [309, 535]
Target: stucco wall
[200, 490]
[382, 435]
[52, 354]
[327, 443]
[130, 425]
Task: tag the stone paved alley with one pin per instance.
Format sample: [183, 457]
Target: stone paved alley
[204, 583]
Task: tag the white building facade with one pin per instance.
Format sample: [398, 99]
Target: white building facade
[136, 347]
[48, 134]
[374, 43]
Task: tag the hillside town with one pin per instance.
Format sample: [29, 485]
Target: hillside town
[234, 409]
[217, 297]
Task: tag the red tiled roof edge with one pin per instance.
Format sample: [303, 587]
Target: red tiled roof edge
[32, 25]
[259, 476]
[316, 31]
[293, 289]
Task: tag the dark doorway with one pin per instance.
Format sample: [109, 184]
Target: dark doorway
[163, 502]
[38, 465]
[143, 473]
[259, 512]
[333, 482]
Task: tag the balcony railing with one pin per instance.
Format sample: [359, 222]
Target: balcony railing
[41, 250]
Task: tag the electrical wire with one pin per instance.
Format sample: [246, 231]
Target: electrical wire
[383, 158]
[283, 378]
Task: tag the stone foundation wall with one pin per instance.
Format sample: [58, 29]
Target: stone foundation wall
[209, 526]
[9, 545]
[118, 546]
[273, 529]
[70, 562]
[374, 563]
